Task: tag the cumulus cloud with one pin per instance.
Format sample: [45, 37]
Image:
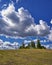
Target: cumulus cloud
[8, 45]
[51, 21]
[50, 35]
[41, 29]
[21, 23]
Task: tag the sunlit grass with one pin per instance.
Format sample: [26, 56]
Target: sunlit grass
[26, 57]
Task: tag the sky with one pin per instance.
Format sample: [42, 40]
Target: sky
[24, 21]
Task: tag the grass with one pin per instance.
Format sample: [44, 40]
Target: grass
[26, 57]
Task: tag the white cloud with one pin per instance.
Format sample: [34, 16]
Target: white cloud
[17, 1]
[1, 42]
[21, 23]
[41, 29]
[50, 35]
[51, 21]
[8, 45]
[27, 41]
[48, 46]
[4, 6]
[8, 10]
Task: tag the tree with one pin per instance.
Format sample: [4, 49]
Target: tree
[32, 44]
[28, 45]
[23, 46]
[43, 47]
[38, 44]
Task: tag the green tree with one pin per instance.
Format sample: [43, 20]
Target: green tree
[43, 47]
[22, 46]
[38, 44]
[32, 44]
[28, 45]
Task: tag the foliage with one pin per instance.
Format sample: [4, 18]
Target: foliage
[43, 47]
[21, 47]
[32, 45]
[38, 44]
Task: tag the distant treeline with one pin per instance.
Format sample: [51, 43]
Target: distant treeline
[32, 45]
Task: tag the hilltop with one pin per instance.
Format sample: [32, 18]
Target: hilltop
[26, 57]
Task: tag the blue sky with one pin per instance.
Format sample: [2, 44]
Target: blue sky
[40, 9]
[33, 14]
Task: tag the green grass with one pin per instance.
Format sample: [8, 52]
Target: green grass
[26, 57]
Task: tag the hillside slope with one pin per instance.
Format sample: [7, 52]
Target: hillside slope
[26, 57]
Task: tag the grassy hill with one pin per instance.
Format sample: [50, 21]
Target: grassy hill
[26, 57]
